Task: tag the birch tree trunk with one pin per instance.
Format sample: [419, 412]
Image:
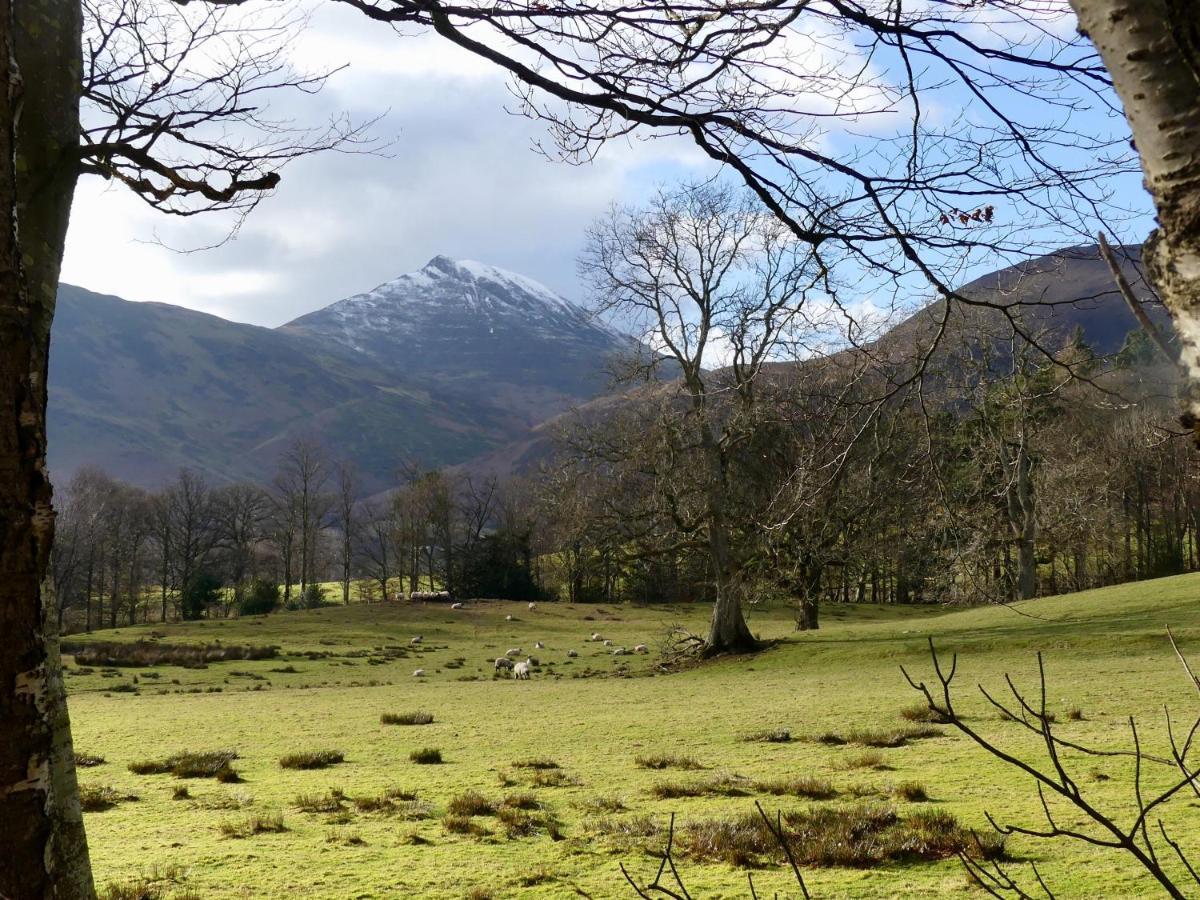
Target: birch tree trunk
[1151, 49]
[44, 851]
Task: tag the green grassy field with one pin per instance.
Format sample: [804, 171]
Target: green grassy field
[1106, 655]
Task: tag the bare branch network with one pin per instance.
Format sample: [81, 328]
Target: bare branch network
[179, 103]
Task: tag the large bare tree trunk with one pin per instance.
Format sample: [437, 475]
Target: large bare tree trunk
[1151, 49]
[727, 630]
[44, 850]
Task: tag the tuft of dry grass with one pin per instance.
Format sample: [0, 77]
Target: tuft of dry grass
[412, 718]
[426, 756]
[98, 798]
[808, 788]
[537, 763]
[856, 836]
[666, 761]
[869, 759]
[464, 825]
[890, 737]
[255, 823]
[920, 712]
[770, 736]
[717, 786]
[598, 805]
[190, 764]
[88, 760]
[312, 759]
[912, 791]
[319, 803]
[521, 801]
[471, 803]
[553, 778]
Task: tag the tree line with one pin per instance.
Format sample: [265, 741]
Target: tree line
[193, 548]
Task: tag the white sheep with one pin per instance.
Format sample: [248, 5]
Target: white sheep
[532, 605]
[521, 669]
[596, 636]
[513, 651]
[620, 651]
[419, 673]
[572, 653]
[503, 662]
[456, 606]
[641, 648]
[415, 641]
[508, 618]
[538, 645]
[607, 643]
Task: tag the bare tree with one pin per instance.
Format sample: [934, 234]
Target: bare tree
[701, 267]
[304, 472]
[242, 512]
[1138, 839]
[347, 522]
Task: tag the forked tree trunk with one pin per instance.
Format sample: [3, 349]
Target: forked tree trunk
[1151, 49]
[43, 851]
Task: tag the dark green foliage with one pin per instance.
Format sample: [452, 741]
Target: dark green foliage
[202, 591]
[500, 566]
[260, 598]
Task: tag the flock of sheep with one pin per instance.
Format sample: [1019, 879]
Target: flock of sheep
[521, 670]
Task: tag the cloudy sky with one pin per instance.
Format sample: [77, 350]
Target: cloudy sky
[460, 178]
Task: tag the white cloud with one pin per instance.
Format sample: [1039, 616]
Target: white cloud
[461, 178]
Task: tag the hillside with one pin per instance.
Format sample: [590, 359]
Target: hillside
[436, 367]
[339, 669]
[457, 363]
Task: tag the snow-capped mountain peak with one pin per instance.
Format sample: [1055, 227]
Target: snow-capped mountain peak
[455, 316]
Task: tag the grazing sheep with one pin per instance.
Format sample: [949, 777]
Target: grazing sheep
[607, 643]
[596, 636]
[456, 606]
[503, 662]
[641, 648]
[415, 641]
[521, 669]
[620, 651]
[419, 673]
[508, 618]
[514, 651]
[538, 645]
[532, 605]
[572, 653]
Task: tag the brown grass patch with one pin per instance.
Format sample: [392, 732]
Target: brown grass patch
[808, 788]
[312, 759]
